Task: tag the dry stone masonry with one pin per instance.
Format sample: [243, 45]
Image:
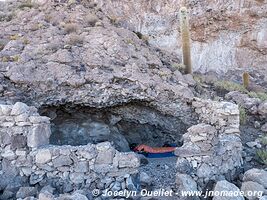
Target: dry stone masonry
[212, 149]
[25, 154]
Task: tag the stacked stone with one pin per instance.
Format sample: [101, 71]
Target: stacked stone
[212, 148]
[25, 154]
[81, 164]
[21, 129]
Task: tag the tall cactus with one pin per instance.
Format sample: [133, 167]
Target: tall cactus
[185, 36]
[246, 79]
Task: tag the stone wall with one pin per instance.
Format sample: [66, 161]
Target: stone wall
[212, 148]
[27, 158]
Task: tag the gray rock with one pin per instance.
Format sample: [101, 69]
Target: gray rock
[39, 119]
[130, 184]
[26, 192]
[18, 141]
[145, 179]
[256, 175]
[224, 185]
[77, 177]
[257, 124]
[185, 182]
[62, 161]
[264, 128]
[19, 108]
[82, 166]
[250, 186]
[45, 196]
[43, 156]
[263, 198]
[262, 109]
[5, 109]
[106, 153]
[39, 135]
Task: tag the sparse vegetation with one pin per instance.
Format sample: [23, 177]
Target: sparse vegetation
[113, 20]
[179, 66]
[230, 86]
[70, 28]
[10, 58]
[91, 19]
[26, 4]
[75, 39]
[261, 95]
[14, 37]
[262, 156]
[242, 115]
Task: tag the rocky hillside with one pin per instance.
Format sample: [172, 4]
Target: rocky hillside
[225, 34]
[108, 74]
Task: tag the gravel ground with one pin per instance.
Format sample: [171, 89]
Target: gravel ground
[162, 171]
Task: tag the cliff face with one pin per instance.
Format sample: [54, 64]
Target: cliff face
[225, 34]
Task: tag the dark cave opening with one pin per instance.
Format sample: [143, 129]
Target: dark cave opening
[120, 125]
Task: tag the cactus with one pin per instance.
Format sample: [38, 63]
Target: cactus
[185, 36]
[246, 80]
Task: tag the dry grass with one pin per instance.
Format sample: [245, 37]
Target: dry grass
[26, 4]
[230, 86]
[71, 28]
[91, 19]
[75, 39]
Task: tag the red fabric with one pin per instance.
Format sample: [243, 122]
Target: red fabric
[148, 149]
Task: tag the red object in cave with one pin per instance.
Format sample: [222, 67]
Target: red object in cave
[148, 149]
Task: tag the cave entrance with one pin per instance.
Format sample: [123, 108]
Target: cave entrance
[120, 125]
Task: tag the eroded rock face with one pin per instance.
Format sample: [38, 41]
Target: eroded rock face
[67, 60]
[224, 35]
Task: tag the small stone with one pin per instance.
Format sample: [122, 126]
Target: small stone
[251, 144]
[81, 166]
[46, 196]
[257, 124]
[26, 192]
[128, 160]
[39, 135]
[77, 178]
[9, 154]
[145, 179]
[185, 182]
[22, 117]
[6, 109]
[43, 156]
[19, 108]
[62, 161]
[264, 128]
[18, 141]
[39, 119]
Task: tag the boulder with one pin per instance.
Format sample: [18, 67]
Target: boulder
[26, 192]
[256, 175]
[254, 187]
[225, 186]
[185, 182]
[19, 108]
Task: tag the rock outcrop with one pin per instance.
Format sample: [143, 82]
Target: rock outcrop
[225, 35]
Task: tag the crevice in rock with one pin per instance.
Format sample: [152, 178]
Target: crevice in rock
[122, 125]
